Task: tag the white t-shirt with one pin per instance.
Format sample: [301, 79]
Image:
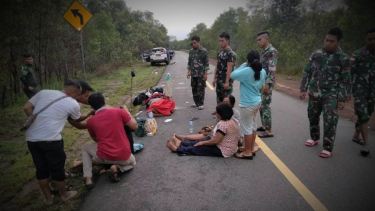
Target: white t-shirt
[49, 123]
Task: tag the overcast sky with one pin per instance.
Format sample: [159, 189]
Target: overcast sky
[180, 16]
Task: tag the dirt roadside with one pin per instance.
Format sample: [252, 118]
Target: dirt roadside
[290, 86]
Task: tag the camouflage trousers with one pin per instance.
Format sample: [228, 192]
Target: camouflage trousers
[265, 109]
[222, 93]
[328, 105]
[364, 107]
[198, 86]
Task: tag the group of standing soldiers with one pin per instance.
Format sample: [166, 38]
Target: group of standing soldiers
[198, 65]
[330, 78]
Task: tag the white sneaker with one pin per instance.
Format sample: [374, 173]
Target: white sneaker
[200, 108]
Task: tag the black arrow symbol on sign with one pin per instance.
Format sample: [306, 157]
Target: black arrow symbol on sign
[75, 13]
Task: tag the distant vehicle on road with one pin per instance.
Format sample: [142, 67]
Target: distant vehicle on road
[172, 54]
[159, 55]
[146, 55]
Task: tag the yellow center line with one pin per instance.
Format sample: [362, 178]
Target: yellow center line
[209, 85]
[297, 184]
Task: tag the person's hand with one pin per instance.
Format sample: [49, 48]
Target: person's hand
[205, 77]
[349, 97]
[31, 88]
[266, 88]
[92, 112]
[214, 82]
[302, 96]
[341, 105]
[226, 85]
[199, 144]
[188, 74]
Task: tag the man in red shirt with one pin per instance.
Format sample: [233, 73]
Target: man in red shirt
[112, 146]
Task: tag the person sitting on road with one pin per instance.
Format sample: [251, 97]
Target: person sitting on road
[112, 147]
[223, 144]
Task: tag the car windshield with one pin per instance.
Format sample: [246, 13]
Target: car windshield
[157, 50]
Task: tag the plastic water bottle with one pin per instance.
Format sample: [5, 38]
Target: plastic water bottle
[191, 127]
[168, 87]
[150, 115]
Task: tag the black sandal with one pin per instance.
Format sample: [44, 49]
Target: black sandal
[113, 176]
[261, 129]
[265, 135]
[359, 141]
[90, 185]
[365, 151]
[243, 157]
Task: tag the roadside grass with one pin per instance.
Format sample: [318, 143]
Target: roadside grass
[16, 166]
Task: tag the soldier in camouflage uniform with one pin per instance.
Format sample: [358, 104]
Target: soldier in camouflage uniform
[327, 79]
[268, 58]
[197, 69]
[28, 78]
[363, 88]
[226, 61]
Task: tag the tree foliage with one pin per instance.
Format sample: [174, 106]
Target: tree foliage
[297, 28]
[114, 35]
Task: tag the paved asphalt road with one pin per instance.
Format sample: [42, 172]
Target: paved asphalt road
[162, 180]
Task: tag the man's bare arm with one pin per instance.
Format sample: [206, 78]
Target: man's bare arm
[76, 124]
[28, 108]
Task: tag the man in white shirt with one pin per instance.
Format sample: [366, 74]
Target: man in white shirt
[44, 139]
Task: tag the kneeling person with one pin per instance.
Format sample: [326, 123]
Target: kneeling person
[112, 147]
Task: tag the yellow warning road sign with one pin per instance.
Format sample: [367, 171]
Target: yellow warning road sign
[77, 15]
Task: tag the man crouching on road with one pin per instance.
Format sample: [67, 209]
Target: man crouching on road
[112, 146]
[44, 139]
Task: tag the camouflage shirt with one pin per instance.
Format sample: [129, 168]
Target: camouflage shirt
[269, 58]
[27, 76]
[198, 62]
[363, 72]
[223, 57]
[327, 74]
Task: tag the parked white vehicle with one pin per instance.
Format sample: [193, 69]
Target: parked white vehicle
[159, 55]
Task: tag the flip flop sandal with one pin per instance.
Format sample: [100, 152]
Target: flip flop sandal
[311, 142]
[113, 176]
[90, 185]
[265, 135]
[261, 129]
[243, 157]
[365, 151]
[359, 141]
[325, 154]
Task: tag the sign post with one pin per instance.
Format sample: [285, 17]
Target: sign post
[78, 16]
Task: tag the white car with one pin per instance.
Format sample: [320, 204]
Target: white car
[159, 55]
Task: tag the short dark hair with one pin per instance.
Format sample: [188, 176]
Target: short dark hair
[85, 87]
[225, 111]
[196, 38]
[263, 32]
[26, 55]
[336, 31]
[96, 100]
[371, 31]
[73, 83]
[232, 100]
[225, 35]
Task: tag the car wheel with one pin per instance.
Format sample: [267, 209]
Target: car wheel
[167, 62]
[152, 64]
